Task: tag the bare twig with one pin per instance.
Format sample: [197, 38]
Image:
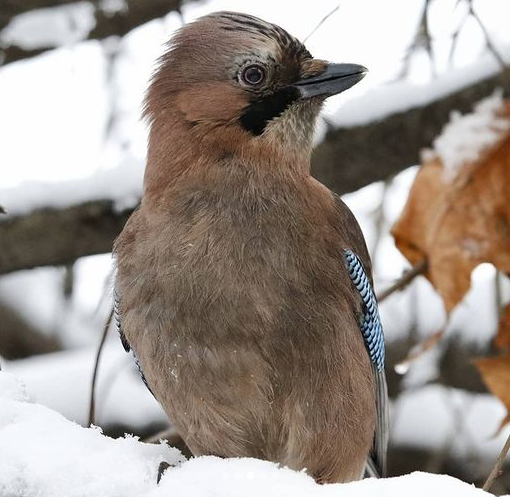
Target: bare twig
[111, 51]
[92, 403]
[455, 36]
[496, 470]
[404, 280]
[68, 280]
[422, 39]
[321, 22]
[181, 15]
[440, 457]
[378, 215]
[492, 49]
[498, 292]
[419, 349]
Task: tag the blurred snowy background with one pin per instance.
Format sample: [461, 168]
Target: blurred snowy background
[72, 149]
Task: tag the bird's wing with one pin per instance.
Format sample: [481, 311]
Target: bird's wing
[359, 268]
[371, 329]
[123, 339]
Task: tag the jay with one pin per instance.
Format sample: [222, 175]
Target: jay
[243, 285]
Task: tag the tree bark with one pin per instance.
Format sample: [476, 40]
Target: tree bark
[52, 237]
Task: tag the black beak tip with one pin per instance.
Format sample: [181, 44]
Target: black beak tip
[350, 68]
[335, 79]
[360, 74]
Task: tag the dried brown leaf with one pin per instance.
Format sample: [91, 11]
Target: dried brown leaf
[456, 225]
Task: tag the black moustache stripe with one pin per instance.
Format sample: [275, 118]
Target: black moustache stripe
[260, 112]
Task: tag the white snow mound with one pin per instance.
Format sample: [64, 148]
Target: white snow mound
[45, 455]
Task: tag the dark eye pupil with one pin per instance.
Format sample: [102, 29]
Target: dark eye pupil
[253, 75]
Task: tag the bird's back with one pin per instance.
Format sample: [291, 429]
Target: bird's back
[238, 304]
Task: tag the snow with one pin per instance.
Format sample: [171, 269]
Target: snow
[112, 7]
[450, 421]
[122, 185]
[50, 27]
[466, 137]
[403, 95]
[12, 388]
[54, 115]
[254, 478]
[61, 381]
[37, 295]
[46, 455]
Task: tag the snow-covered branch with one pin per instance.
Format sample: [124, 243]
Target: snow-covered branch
[25, 32]
[350, 158]
[347, 159]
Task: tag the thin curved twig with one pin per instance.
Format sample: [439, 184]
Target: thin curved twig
[421, 40]
[490, 45]
[456, 34]
[404, 280]
[497, 466]
[92, 403]
[320, 23]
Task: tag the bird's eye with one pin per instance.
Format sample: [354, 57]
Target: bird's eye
[253, 75]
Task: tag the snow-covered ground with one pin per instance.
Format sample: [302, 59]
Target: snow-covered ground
[45, 455]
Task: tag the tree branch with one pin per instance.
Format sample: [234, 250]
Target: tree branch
[402, 282]
[117, 23]
[51, 237]
[348, 159]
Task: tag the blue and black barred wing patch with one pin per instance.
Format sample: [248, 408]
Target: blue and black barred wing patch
[371, 329]
[370, 326]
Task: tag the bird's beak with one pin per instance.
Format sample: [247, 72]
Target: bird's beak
[334, 79]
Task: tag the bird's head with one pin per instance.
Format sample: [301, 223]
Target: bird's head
[238, 83]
